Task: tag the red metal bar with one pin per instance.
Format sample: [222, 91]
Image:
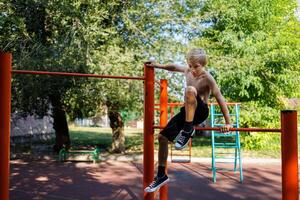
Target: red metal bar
[148, 159]
[228, 103]
[174, 104]
[232, 129]
[289, 155]
[163, 195]
[5, 89]
[76, 74]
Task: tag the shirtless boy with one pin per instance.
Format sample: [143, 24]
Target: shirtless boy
[199, 85]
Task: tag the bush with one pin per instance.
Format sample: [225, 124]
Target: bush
[260, 141]
[254, 115]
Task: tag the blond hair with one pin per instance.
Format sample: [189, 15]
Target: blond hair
[197, 55]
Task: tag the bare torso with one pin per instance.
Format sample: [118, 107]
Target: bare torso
[200, 83]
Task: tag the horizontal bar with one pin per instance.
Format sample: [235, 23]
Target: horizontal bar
[226, 147]
[220, 125]
[225, 143]
[223, 115]
[232, 129]
[76, 74]
[219, 134]
[174, 104]
[178, 154]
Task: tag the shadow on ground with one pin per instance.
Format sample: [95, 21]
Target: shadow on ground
[122, 180]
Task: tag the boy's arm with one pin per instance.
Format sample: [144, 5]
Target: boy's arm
[170, 67]
[221, 101]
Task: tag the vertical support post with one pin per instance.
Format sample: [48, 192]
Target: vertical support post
[148, 158]
[289, 155]
[163, 101]
[5, 89]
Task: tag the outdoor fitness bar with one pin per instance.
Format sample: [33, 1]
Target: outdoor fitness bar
[289, 145]
[75, 74]
[163, 101]
[5, 89]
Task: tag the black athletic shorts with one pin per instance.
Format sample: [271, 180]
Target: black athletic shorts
[175, 125]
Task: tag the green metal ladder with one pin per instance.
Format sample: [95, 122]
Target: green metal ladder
[226, 148]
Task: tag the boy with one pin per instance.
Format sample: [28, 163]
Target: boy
[200, 84]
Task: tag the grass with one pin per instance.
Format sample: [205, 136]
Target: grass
[92, 136]
[86, 136]
[261, 145]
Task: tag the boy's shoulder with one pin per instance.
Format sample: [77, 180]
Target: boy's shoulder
[208, 74]
[210, 78]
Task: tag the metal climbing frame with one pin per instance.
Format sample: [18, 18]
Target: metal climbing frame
[226, 148]
[288, 130]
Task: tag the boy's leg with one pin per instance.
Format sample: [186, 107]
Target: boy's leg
[190, 105]
[162, 155]
[161, 178]
[169, 133]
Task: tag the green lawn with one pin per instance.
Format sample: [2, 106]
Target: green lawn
[86, 136]
[91, 136]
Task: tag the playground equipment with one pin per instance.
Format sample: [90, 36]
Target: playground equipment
[225, 142]
[218, 140]
[64, 153]
[289, 145]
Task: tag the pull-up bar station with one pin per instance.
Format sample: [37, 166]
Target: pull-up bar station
[288, 130]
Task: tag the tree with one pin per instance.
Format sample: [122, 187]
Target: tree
[254, 46]
[53, 36]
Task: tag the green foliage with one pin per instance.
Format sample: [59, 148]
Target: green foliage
[255, 115]
[261, 141]
[255, 49]
[253, 46]
[71, 37]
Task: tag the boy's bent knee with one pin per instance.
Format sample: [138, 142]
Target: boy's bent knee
[190, 91]
[190, 95]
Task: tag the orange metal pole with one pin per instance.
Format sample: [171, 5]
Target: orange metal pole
[148, 160]
[289, 155]
[163, 195]
[5, 89]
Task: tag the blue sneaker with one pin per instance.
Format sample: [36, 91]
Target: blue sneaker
[183, 139]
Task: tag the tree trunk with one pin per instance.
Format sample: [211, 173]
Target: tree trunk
[60, 125]
[118, 134]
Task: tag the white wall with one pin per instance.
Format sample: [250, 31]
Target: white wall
[31, 125]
